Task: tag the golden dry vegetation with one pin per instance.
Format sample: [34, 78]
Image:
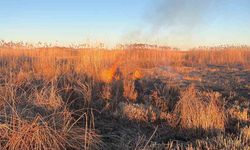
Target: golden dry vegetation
[71, 98]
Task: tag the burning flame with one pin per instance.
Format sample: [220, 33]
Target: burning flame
[137, 75]
[107, 75]
[114, 73]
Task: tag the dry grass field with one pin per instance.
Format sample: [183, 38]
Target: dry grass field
[71, 98]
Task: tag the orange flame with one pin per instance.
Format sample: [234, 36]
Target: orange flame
[137, 75]
[108, 75]
[114, 73]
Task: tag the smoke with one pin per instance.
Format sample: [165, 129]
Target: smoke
[187, 14]
[172, 22]
[178, 21]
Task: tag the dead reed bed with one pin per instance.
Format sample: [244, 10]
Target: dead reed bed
[69, 98]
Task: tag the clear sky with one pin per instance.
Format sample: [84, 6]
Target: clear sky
[179, 23]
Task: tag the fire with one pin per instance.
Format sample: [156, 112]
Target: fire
[137, 75]
[114, 73]
[107, 75]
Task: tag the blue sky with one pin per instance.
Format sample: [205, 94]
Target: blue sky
[179, 23]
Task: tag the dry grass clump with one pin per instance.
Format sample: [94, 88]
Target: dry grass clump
[238, 113]
[157, 93]
[75, 90]
[129, 91]
[56, 131]
[34, 135]
[197, 114]
[36, 118]
[245, 131]
[22, 77]
[106, 92]
[45, 68]
[48, 98]
[138, 112]
[159, 102]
